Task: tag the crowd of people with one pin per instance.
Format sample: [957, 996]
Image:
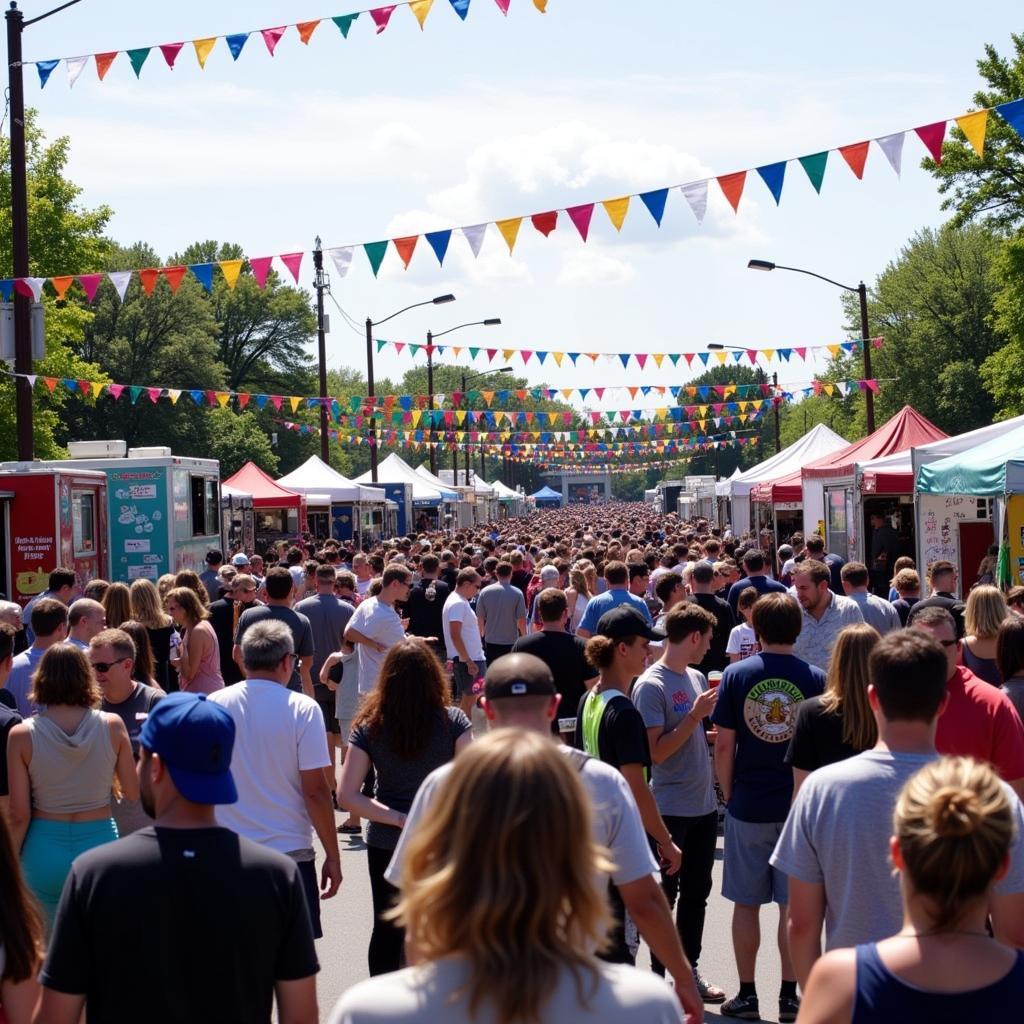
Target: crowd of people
[543, 729]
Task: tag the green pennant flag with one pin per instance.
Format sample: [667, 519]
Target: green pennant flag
[674, 356]
[138, 58]
[355, 402]
[414, 349]
[375, 254]
[814, 165]
[134, 393]
[472, 396]
[344, 22]
[380, 344]
[474, 352]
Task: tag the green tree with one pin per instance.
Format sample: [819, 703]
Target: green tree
[237, 438]
[629, 486]
[1003, 371]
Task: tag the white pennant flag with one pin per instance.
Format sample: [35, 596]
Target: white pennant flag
[31, 378]
[841, 387]
[119, 279]
[475, 236]
[341, 257]
[74, 66]
[697, 196]
[892, 147]
[36, 284]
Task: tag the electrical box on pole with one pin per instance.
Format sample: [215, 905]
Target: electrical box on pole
[7, 343]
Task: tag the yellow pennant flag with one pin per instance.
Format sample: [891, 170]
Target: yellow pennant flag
[702, 410]
[488, 397]
[616, 210]
[173, 394]
[722, 356]
[658, 357]
[421, 8]
[768, 353]
[97, 386]
[661, 414]
[552, 418]
[509, 231]
[415, 415]
[223, 397]
[730, 389]
[293, 401]
[203, 48]
[460, 417]
[833, 351]
[508, 353]
[830, 389]
[231, 269]
[974, 126]
[558, 357]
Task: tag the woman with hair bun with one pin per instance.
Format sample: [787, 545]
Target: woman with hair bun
[953, 825]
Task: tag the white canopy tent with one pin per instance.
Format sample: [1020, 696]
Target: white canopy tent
[395, 469]
[315, 476]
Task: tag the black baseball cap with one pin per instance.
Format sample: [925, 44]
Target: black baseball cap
[518, 675]
[623, 621]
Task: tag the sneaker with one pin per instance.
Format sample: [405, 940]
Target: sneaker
[743, 1007]
[788, 1009]
[709, 993]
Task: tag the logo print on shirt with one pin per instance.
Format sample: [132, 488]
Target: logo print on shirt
[681, 703]
[770, 709]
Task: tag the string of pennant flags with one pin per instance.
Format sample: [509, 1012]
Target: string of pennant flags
[379, 18]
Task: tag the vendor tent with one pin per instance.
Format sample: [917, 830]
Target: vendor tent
[394, 469]
[504, 492]
[316, 476]
[266, 493]
[547, 496]
[993, 469]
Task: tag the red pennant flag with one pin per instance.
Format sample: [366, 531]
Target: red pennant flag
[60, 285]
[170, 52]
[932, 135]
[147, 278]
[292, 260]
[526, 353]
[260, 268]
[103, 62]
[85, 386]
[399, 345]
[688, 356]
[173, 276]
[50, 382]
[580, 216]
[752, 355]
[855, 156]
[491, 353]
[243, 399]
[275, 401]
[89, 283]
[405, 246]
[732, 188]
[545, 223]
[381, 16]
[272, 36]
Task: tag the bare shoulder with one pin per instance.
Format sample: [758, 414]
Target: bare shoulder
[831, 988]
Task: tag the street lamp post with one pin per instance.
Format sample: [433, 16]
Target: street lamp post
[469, 380]
[493, 321]
[715, 347]
[322, 284]
[370, 389]
[861, 291]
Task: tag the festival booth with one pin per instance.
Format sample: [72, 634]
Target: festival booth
[769, 494]
[546, 497]
[970, 500]
[831, 483]
[280, 513]
[417, 499]
[338, 507]
[238, 520]
[464, 509]
[511, 503]
[482, 494]
[723, 492]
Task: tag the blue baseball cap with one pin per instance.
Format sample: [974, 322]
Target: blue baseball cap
[194, 738]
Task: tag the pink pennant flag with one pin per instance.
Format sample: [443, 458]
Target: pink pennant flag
[526, 353]
[154, 394]
[503, 5]
[115, 390]
[275, 401]
[260, 268]
[641, 358]
[381, 16]
[292, 260]
[580, 216]
[801, 352]
[932, 135]
[89, 283]
[170, 52]
[272, 36]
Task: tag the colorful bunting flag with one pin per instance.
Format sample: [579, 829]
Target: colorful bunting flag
[580, 216]
[696, 195]
[75, 66]
[375, 254]
[45, 69]
[236, 42]
[773, 175]
[438, 241]
[732, 188]
[974, 126]
[103, 62]
[932, 135]
[856, 156]
[170, 52]
[545, 223]
[138, 58]
[1013, 114]
[341, 257]
[292, 260]
[892, 147]
[231, 269]
[814, 165]
[381, 16]
[509, 230]
[203, 48]
[421, 8]
[616, 210]
[307, 28]
[260, 266]
[474, 234]
[405, 247]
[655, 203]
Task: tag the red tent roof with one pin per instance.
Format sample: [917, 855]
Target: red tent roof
[266, 493]
[774, 492]
[907, 429]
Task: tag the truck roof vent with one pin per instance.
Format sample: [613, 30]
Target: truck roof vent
[157, 451]
[97, 449]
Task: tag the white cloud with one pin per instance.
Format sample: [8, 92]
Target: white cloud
[589, 266]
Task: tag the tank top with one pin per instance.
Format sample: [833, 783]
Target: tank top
[882, 998]
[983, 668]
[208, 678]
[71, 772]
[578, 611]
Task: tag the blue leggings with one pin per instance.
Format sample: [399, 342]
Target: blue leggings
[49, 849]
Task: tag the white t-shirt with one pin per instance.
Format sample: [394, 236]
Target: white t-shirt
[458, 609]
[278, 733]
[380, 622]
[362, 586]
[742, 641]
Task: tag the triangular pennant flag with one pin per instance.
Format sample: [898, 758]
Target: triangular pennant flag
[272, 36]
[461, 8]
[375, 254]
[475, 236]
[624, 356]
[773, 175]
[344, 22]
[203, 48]
[61, 285]
[697, 196]
[1013, 114]
[421, 8]
[855, 156]
[147, 278]
[89, 283]
[405, 247]
[655, 203]
[974, 126]
[545, 223]
[260, 266]
[732, 187]
[154, 394]
[541, 5]
[170, 52]
[932, 135]
[203, 273]
[814, 165]
[616, 210]
[197, 396]
[174, 276]
[292, 260]
[51, 383]
[173, 394]
[103, 62]
[438, 241]
[307, 28]
[509, 231]
[380, 345]
[230, 269]
[341, 257]
[381, 16]
[138, 58]
[74, 66]
[119, 279]
[580, 216]
[45, 69]
[235, 43]
[503, 6]
[892, 147]
[223, 397]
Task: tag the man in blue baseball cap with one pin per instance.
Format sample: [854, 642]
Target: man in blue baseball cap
[225, 919]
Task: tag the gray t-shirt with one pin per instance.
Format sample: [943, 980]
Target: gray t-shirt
[877, 611]
[616, 819]
[328, 616]
[128, 814]
[501, 605]
[837, 835]
[682, 783]
[302, 632]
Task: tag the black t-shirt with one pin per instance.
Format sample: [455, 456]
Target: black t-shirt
[952, 604]
[817, 737]
[621, 736]
[226, 919]
[563, 654]
[716, 659]
[903, 606]
[8, 720]
[425, 613]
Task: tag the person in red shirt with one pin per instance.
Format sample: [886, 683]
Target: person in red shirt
[979, 720]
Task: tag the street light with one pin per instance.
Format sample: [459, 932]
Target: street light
[469, 380]
[861, 291]
[440, 300]
[715, 347]
[493, 321]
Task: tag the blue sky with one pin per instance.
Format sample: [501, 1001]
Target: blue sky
[379, 136]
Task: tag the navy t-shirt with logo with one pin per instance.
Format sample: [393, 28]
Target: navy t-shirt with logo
[758, 699]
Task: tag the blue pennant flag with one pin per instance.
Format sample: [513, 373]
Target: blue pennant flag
[461, 8]
[45, 69]
[197, 396]
[203, 273]
[624, 356]
[6, 288]
[785, 353]
[439, 243]
[1012, 113]
[704, 357]
[71, 385]
[236, 42]
[655, 203]
[583, 391]
[261, 400]
[773, 176]
[573, 356]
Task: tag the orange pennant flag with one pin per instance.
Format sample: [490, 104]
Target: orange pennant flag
[855, 156]
[974, 126]
[405, 247]
[732, 188]
[173, 276]
[61, 284]
[616, 210]
[203, 48]
[147, 278]
[103, 62]
[509, 231]
[230, 269]
[306, 29]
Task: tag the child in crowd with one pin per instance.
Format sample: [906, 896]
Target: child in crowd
[742, 641]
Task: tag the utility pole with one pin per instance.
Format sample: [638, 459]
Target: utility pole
[430, 395]
[322, 284]
[775, 405]
[371, 393]
[865, 333]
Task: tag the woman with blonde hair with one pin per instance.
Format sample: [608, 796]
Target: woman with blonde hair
[578, 594]
[147, 608]
[839, 723]
[62, 764]
[503, 908]
[953, 826]
[986, 609]
[117, 604]
[199, 664]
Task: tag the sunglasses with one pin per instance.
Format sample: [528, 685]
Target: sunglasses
[104, 666]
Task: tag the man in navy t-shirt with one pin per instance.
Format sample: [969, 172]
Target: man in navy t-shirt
[753, 564]
[755, 716]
